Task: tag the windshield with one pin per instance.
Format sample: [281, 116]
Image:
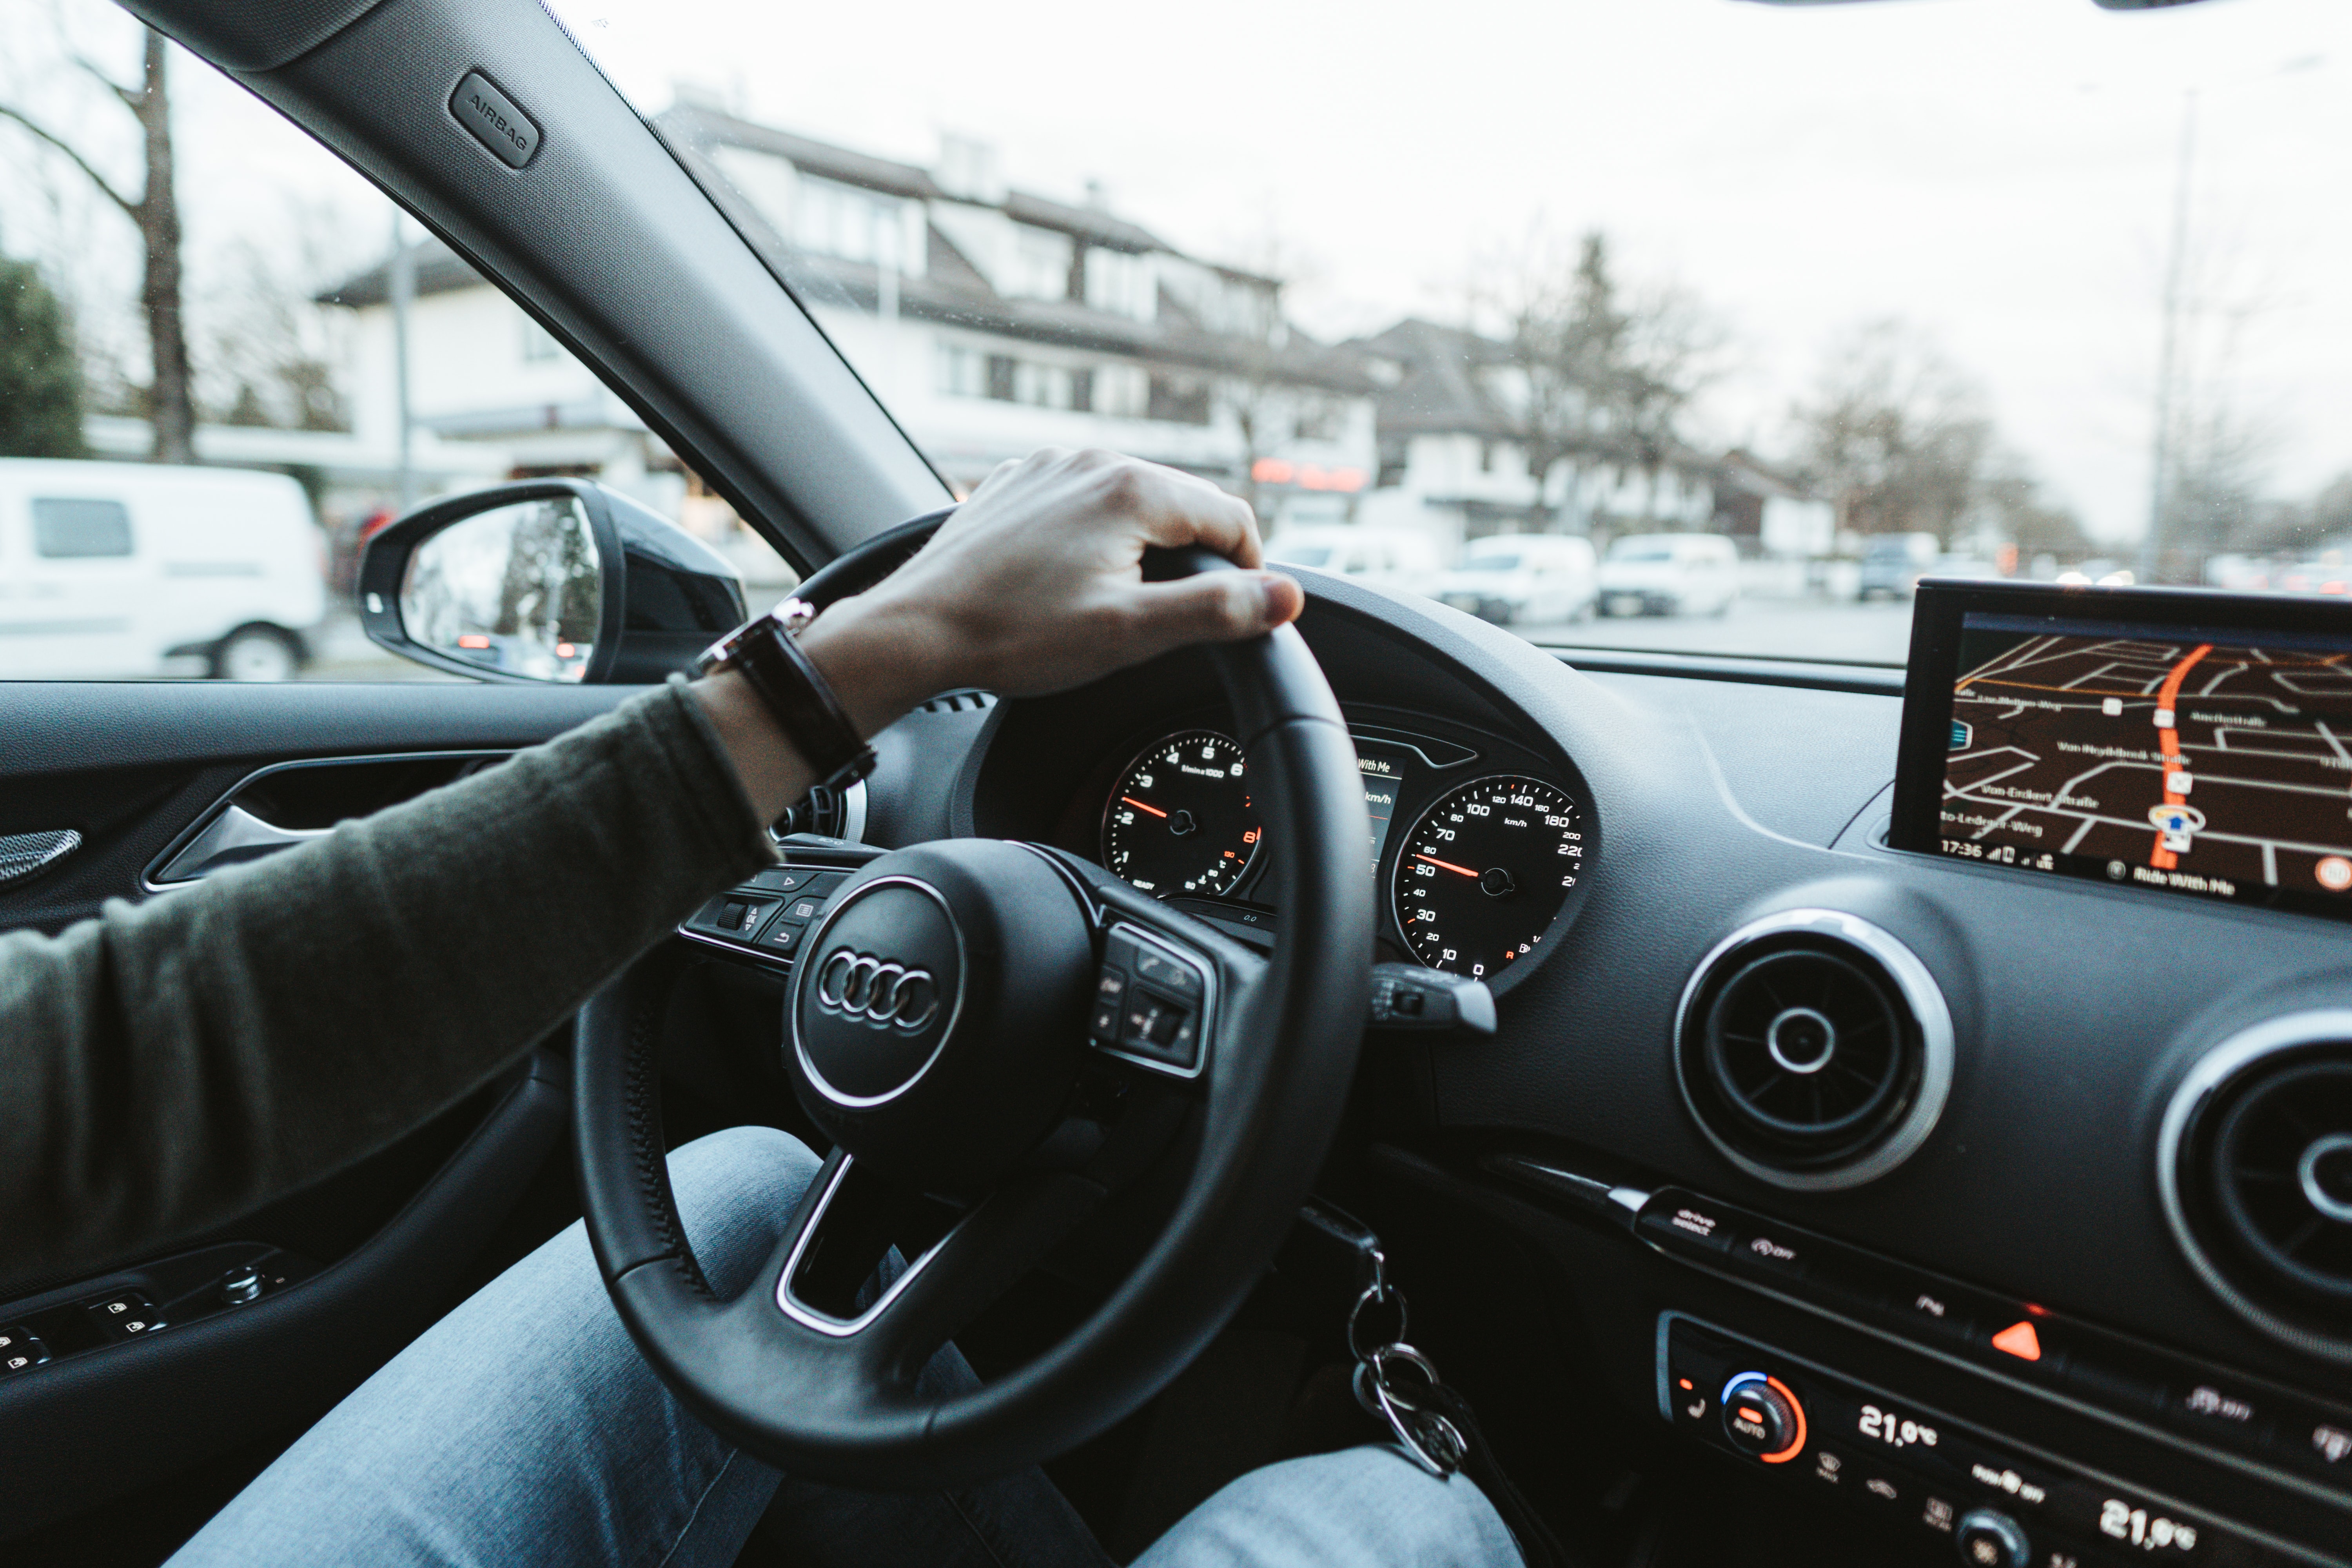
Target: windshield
[2049, 284]
[1491, 564]
[1306, 554]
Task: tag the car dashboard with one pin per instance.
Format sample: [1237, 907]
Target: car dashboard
[1889, 1178]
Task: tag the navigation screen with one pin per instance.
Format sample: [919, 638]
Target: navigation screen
[2200, 761]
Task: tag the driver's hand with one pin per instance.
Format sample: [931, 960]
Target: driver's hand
[1036, 586]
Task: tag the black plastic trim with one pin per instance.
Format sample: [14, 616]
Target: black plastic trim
[1820, 675]
[216, 1384]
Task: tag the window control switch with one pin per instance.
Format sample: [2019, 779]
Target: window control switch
[20, 1349]
[126, 1315]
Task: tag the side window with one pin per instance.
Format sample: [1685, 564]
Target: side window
[77, 529]
[324, 368]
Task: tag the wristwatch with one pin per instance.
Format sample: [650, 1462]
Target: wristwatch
[766, 653]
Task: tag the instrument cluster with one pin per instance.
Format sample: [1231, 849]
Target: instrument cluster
[1490, 854]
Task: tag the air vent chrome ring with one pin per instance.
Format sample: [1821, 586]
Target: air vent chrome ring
[1798, 1040]
[2224, 1074]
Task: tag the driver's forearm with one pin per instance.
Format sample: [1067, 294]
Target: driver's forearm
[172, 1065]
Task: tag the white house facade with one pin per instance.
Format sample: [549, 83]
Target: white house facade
[989, 320]
[1452, 461]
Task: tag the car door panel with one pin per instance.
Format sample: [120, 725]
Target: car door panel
[139, 770]
[132, 767]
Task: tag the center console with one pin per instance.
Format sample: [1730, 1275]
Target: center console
[2003, 1502]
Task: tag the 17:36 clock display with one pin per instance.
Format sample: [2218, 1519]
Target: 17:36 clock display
[1484, 869]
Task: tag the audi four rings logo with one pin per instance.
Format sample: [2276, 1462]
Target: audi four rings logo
[873, 991]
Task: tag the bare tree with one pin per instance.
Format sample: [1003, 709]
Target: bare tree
[2215, 442]
[2014, 503]
[269, 352]
[1895, 434]
[156, 212]
[1602, 376]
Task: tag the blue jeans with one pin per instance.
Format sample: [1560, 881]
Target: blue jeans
[524, 1429]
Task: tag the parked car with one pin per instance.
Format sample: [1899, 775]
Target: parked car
[1893, 564]
[1397, 559]
[1670, 574]
[1524, 578]
[2109, 574]
[1967, 568]
[109, 569]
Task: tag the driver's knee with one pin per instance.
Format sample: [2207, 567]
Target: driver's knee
[1360, 1508]
[735, 1192]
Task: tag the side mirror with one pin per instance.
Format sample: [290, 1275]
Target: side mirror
[548, 580]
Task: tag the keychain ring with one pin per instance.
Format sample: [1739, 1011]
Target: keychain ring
[1379, 1291]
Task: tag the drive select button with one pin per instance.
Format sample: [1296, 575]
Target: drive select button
[1680, 1222]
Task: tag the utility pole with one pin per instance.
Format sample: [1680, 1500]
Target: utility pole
[888, 223]
[402, 289]
[2160, 454]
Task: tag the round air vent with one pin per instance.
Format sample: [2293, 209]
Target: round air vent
[1814, 1049]
[2256, 1176]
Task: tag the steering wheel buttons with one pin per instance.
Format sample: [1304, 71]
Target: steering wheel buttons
[1109, 1006]
[784, 936]
[1160, 1027]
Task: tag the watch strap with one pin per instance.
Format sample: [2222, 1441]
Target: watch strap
[796, 694]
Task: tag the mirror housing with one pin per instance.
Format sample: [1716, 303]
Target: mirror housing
[660, 596]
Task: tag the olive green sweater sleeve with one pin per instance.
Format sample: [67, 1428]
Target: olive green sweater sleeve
[168, 1065]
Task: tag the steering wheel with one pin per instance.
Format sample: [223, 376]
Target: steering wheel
[939, 1027]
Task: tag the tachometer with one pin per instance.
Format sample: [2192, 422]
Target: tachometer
[1180, 818]
[1485, 870]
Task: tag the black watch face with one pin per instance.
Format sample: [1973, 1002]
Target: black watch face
[1178, 819]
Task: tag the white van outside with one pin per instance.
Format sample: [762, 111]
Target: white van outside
[1524, 578]
[1400, 560]
[112, 570]
[1670, 574]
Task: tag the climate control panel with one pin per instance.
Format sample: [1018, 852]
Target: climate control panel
[1990, 1503]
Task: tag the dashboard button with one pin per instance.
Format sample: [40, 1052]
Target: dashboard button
[2217, 1412]
[2026, 1345]
[1773, 1253]
[1929, 1311]
[1990, 1539]
[2316, 1441]
[1679, 1222]
[1762, 1417]
[1689, 1400]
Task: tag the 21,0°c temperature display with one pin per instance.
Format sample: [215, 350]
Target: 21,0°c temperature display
[1485, 870]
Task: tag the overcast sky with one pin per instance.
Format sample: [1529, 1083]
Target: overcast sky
[1999, 171]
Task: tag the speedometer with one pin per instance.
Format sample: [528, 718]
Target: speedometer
[1485, 870]
[1180, 818]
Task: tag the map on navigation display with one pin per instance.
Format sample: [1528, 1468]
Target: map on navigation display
[2152, 756]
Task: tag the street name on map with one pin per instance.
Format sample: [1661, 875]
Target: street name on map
[2198, 766]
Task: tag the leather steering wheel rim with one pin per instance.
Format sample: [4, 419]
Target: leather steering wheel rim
[1278, 1061]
